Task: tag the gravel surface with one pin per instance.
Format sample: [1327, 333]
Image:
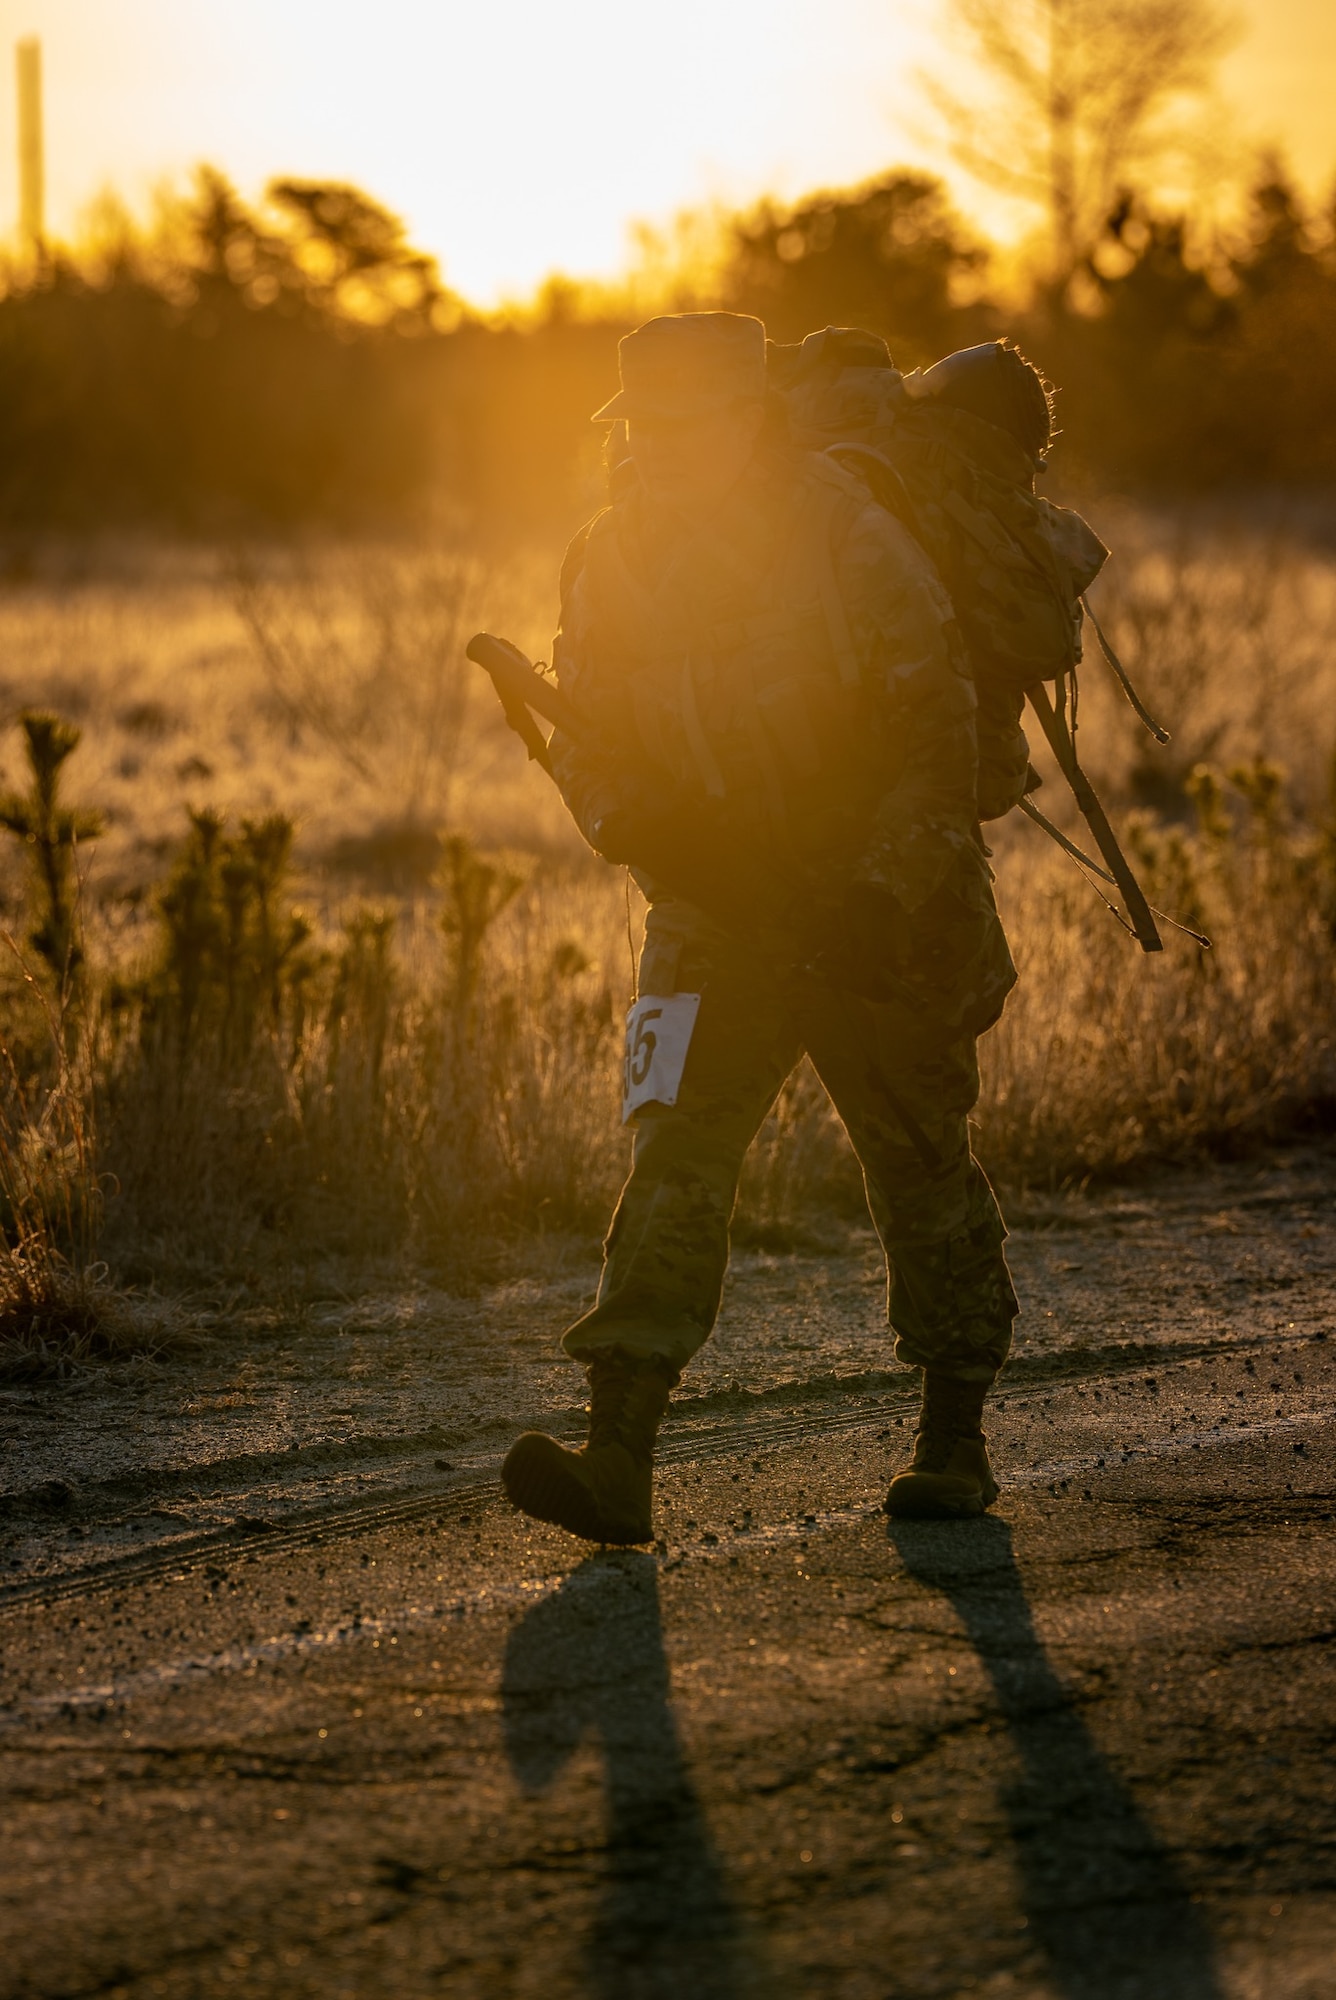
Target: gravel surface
[294, 1703]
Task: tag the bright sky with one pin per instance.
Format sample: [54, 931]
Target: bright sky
[519, 136]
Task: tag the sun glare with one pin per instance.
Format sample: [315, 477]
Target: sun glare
[520, 138]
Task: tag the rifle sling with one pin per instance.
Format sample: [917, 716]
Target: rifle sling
[1079, 855]
[1160, 734]
[1060, 742]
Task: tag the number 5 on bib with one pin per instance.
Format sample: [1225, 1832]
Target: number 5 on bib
[658, 1035]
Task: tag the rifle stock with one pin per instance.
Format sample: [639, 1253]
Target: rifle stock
[521, 690]
[678, 854]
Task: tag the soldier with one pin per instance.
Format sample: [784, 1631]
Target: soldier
[781, 743]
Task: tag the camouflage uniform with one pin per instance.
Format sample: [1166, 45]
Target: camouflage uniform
[796, 672]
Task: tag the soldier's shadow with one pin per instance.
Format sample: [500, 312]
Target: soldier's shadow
[1103, 1897]
[588, 1661]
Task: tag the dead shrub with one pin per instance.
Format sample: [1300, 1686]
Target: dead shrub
[267, 1077]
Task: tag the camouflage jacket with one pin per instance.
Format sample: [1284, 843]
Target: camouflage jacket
[796, 671]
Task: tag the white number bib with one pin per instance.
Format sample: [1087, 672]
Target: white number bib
[658, 1035]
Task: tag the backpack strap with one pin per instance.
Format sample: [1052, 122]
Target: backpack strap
[835, 615]
[838, 495]
[882, 478]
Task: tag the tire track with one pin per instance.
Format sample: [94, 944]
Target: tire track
[323, 1525]
[733, 1435]
[117, 1695]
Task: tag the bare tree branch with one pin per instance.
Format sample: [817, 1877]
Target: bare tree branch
[1082, 89]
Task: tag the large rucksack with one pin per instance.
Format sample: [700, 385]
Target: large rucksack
[1016, 565]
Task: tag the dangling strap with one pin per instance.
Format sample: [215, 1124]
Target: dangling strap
[1031, 811]
[1060, 742]
[1160, 735]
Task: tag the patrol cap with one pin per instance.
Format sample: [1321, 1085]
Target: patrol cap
[686, 365]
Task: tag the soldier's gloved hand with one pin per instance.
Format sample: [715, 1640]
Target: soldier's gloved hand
[862, 945]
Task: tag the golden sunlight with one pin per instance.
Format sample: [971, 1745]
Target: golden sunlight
[520, 138]
[944, 385]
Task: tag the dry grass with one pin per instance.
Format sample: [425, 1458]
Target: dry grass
[59, 1310]
[1105, 1060]
[1228, 628]
[64, 1321]
[401, 1087]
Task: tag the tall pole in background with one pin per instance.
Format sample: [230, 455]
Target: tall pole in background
[32, 165]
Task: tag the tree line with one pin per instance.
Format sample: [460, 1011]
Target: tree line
[297, 360]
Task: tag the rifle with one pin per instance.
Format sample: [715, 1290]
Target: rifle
[520, 689]
[677, 844]
[524, 693]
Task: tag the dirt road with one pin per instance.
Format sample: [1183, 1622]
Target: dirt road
[295, 1704]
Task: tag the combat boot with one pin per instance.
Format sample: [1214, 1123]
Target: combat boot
[603, 1491]
[949, 1477]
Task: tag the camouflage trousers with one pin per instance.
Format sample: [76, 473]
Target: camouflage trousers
[950, 1297]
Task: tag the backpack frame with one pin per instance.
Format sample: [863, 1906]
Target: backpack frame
[1015, 565]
